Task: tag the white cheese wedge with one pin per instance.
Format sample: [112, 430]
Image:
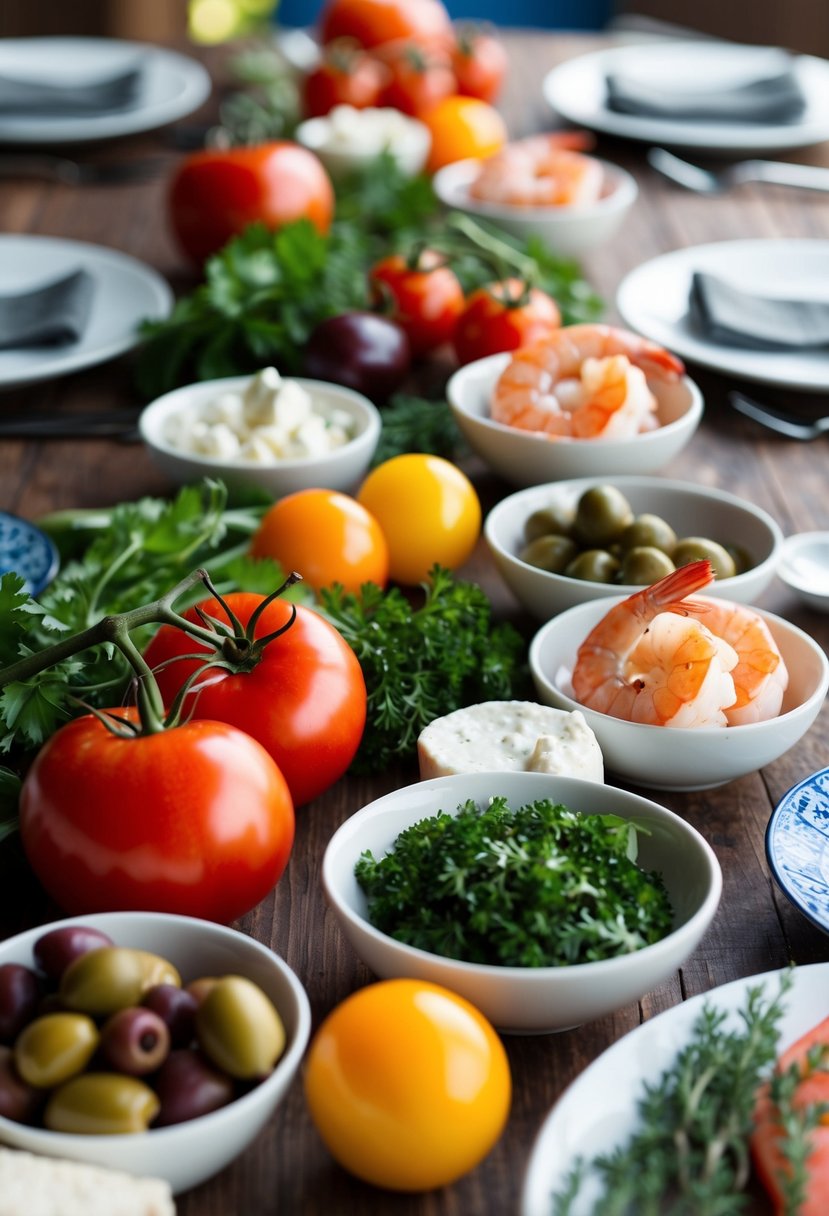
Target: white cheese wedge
[500, 735]
[47, 1186]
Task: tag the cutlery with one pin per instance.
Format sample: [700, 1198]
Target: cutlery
[78, 173]
[778, 420]
[704, 181]
[117, 424]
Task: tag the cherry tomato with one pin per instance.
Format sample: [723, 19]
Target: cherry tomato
[304, 701]
[462, 127]
[325, 536]
[503, 316]
[373, 22]
[217, 193]
[407, 1084]
[195, 820]
[479, 62]
[346, 76]
[425, 294]
[420, 77]
[428, 510]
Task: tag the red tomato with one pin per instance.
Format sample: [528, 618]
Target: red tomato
[345, 77]
[480, 63]
[304, 701]
[426, 297]
[195, 820]
[420, 77]
[503, 316]
[217, 193]
[373, 22]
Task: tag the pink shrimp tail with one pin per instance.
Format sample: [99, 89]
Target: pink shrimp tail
[675, 587]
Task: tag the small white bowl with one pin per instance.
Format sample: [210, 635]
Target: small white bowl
[804, 567]
[527, 1000]
[187, 1153]
[410, 148]
[567, 230]
[691, 510]
[341, 469]
[526, 458]
[673, 758]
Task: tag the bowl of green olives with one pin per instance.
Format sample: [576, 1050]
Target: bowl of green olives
[560, 544]
[151, 1043]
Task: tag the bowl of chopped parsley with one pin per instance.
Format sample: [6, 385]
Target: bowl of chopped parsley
[546, 901]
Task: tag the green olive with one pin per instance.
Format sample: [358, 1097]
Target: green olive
[112, 978]
[594, 566]
[648, 531]
[741, 557]
[696, 548]
[239, 1029]
[644, 565]
[602, 515]
[55, 1047]
[101, 1104]
[555, 520]
[550, 552]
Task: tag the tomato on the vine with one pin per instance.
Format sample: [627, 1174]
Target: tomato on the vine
[479, 62]
[425, 296]
[503, 316]
[345, 76]
[304, 701]
[373, 22]
[419, 77]
[196, 820]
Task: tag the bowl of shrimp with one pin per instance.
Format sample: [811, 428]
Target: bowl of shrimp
[587, 401]
[683, 691]
[543, 186]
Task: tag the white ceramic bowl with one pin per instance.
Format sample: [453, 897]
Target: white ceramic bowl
[567, 230]
[410, 148]
[673, 758]
[690, 509]
[804, 568]
[341, 469]
[186, 1153]
[526, 458]
[526, 1000]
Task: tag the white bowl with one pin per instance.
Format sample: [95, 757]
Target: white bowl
[691, 510]
[341, 469]
[804, 567]
[673, 758]
[187, 1153]
[526, 458]
[525, 1000]
[567, 230]
[410, 149]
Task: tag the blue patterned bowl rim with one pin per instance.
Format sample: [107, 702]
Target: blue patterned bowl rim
[27, 550]
[797, 847]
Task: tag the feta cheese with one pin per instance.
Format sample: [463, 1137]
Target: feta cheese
[369, 131]
[46, 1186]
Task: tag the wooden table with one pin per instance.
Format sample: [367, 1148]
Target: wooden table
[756, 929]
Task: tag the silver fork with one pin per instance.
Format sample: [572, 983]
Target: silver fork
[778, 420]
[78, 173]
[704, 181]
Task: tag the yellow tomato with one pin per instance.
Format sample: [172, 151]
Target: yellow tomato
[428, 511]
[408, 1085]
[462, 127]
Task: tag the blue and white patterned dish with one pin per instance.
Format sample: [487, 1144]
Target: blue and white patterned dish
[27, 551]
[797, 847]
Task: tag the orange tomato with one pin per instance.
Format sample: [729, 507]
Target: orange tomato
[373, 22]
[462, 127]
[325, 536]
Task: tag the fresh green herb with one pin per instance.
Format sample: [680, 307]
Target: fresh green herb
[422, 662]
[412, 424]
[541, 886]
[797, 1121]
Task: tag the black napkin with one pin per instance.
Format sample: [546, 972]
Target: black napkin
[53, 315]
[776, 98]
[725, 314]
[24, 97]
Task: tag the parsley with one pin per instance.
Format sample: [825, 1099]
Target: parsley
[412, 424]
[422, 662]
[541, 886]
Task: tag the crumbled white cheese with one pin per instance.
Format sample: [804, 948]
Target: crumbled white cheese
[369, 131]
[518, 735]
[46, 1186]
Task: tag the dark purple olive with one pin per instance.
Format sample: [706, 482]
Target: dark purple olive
[19, 996]
[57, 949]
[189, 1086]
[135, 1041]
[177, 1008]
[361, 350]
[18, 1101]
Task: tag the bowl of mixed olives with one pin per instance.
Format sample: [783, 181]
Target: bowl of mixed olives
[145, 1042]
[560, 544]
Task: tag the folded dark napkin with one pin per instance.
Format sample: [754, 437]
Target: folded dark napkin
[24, 97]
[725, 314]
[776, 98]
[53, 315]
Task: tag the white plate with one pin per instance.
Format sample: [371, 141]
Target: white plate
[599, 1109]
[653, 299]
[576, 90]
[126, 291]
[172, 85]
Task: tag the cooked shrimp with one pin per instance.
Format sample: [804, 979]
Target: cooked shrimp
[760, 677]
[583, 382]
[540, 171]
[648, 660]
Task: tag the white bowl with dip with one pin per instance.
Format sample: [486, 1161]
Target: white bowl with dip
[348, 138]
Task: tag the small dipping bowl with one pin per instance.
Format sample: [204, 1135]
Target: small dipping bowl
[804, 567]
[27, 551]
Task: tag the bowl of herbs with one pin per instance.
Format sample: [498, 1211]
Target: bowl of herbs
[546, 901]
